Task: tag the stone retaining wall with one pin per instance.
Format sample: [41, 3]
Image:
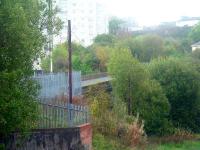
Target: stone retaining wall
[75, 138]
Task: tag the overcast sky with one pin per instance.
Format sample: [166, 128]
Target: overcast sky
[152, 12]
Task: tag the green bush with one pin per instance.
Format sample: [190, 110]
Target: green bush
[153, 107]
[101, 142]
[82, 59]
[133, 85]
[21, 41]
[181, 83]
[112, 119]
[128, 73]
[2, 147]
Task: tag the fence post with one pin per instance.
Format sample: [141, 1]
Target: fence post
[69, 115]
[87, 115]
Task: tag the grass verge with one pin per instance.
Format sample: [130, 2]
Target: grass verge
[101, 142]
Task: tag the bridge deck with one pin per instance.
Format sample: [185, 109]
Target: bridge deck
[95, 81]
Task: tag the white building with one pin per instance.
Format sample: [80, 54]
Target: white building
[130, 25]
[187, 21]
[195, 46]
[88, 19]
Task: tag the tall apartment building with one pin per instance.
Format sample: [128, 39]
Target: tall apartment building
[88, 19]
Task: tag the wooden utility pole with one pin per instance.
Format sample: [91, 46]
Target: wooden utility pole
[70, 61]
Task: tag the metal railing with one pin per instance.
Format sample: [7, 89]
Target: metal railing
[94, 76]
[54, 108]
[55, 116]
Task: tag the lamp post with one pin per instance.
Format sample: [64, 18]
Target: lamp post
[70, 61]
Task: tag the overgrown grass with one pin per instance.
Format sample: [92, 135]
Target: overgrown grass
[101, 142]
[187, 145]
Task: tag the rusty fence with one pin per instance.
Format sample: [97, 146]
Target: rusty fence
[55, 116]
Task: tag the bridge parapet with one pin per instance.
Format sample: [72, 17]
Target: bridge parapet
[94, 76]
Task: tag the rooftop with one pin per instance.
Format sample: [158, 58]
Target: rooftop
[196, 44]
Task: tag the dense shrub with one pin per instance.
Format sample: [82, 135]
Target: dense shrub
[181, 83]
[194, 59]
[153, 107]
[99, 104]
[133, 134]
[112, 120]
[82, 59]
[196, 54]
[21, 42]
[132, 83]
[101, 142]
[128, 74]
[178, 136]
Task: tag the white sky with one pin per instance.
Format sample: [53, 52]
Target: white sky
[152, 12]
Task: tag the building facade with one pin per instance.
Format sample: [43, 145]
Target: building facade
[88, 19]
[195, 46]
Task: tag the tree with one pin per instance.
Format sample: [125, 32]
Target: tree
[194, 59]
[196, 54]
[23, 26]
[103, 55]
[50, 25]
[82, 59]
[114, 25]
[104, 40]
[59, 57]
[21, 42]
[128, 73]
[144, 48]
[195, 33]
[181, 83]
[153, 106]
[170, 47]
[133, 85]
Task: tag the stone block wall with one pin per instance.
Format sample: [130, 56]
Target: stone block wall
[75, 138]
